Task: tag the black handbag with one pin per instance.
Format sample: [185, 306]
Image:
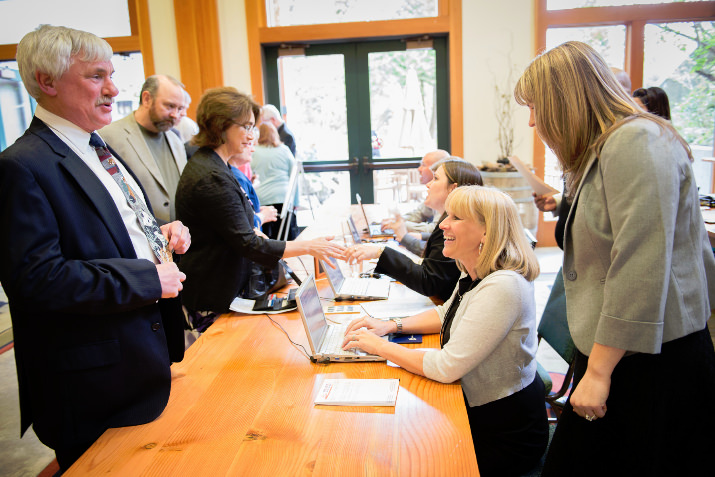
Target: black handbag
[263, 280]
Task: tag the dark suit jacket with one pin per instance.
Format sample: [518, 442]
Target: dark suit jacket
[91, 341]
[287, 137]
[436, 276]
[211, 203]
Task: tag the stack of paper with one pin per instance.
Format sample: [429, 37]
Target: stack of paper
[358, 392]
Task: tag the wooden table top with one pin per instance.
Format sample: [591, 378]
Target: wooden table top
[242, 404]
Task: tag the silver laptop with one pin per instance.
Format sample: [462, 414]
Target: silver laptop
[325, 339]
[354, 231]
[374, 230]
[352, 288]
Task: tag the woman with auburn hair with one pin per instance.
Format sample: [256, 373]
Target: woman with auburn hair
[273, 163]
[488, 331]
[437, 274]
[638, 272]
[225, 244]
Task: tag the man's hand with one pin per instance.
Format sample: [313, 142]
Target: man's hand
[178, 236]
[170, 277]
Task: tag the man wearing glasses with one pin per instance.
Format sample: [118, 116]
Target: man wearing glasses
[143, 140]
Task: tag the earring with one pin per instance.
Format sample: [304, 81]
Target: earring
[481, 244]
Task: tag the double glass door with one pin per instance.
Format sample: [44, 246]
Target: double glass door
[362, 113]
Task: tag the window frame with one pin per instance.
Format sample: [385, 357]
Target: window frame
[138, 41]
[635, 18]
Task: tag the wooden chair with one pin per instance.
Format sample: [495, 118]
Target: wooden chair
[554, 329]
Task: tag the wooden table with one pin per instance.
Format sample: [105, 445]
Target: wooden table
[242, 404]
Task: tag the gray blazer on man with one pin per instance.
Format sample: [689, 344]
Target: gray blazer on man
[125, 137]
[638, 267]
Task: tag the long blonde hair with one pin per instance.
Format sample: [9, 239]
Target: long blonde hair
[577, 104]
[505, 246]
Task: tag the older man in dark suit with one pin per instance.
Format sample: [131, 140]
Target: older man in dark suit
[88, 273]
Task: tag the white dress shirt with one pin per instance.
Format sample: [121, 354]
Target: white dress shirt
[78, 140]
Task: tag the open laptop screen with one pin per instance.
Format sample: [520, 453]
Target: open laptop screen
[312, 311]
[335, 275]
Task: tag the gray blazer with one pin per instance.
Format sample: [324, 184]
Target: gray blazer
[638, 267]
[125, 137]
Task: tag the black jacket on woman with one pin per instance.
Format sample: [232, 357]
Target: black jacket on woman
[220, 217]
[436, 276]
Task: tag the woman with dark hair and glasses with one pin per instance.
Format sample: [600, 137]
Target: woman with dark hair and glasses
[488, 331]
[437, 274]
[654, 100]
[210, 200]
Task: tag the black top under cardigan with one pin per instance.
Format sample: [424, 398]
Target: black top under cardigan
[220, 218]
[436, 276]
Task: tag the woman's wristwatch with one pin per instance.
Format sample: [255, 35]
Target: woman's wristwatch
[398, 322]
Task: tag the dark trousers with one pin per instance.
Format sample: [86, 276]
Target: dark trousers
[271, 228]
[510, 434]
[660, 417]
[68, 455]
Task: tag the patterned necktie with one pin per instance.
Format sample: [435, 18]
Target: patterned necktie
[156, 239]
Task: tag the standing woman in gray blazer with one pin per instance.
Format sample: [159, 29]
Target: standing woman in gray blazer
[639, 276]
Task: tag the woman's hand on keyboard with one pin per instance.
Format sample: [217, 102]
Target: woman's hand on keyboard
[367, 339]
[379, 327]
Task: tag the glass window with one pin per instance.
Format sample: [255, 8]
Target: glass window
[128, 78]
[318, 188]
[315, 106]
[678, 58]
[16, 108]
[302, 12]
[403, 103]
[567, 4]
[22, 16]
[608, 41]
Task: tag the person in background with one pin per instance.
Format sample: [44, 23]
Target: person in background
[622, 78]
[639, 275]
[437, 274]
[487, 332]
[210, 201]
[85, 266]
[270, 114]
[273, 163]
[414, 228]
[654, 100]
[142, 139]
[263, 214]
[186, 128]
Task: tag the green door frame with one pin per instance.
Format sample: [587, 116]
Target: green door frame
[357, 88]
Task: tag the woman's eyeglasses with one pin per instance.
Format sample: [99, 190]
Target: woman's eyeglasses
[249, 127]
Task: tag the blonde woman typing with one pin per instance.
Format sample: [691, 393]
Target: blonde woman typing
[488, 331]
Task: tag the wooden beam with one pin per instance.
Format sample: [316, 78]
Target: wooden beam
[199, 48]
[255, 19]
[139, 11]
[689, 11]
[357, 30]
[456, 79]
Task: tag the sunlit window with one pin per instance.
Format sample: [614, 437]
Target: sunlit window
[566, 4]
[313, 12]
[608, 41]
[678, 59]
[104, 18]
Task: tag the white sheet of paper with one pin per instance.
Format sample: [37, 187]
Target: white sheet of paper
[358, 392]
[539, 186]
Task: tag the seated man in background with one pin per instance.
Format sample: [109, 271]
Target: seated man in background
[413, 230]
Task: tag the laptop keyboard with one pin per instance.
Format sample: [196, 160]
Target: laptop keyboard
[364, 287]
[333, 342]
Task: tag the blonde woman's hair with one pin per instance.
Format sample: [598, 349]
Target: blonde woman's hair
[268, 135]
[52, 49]
[578, 103]
[505, 246]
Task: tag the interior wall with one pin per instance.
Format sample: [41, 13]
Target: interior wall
[164, 39]
[493, 39]
[234, 44]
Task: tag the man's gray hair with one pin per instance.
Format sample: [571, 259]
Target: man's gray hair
[269, 111]
[52, 49]
[151, 84]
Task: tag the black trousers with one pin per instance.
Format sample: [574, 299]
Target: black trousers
[510, 434]
[271, 228]
[660, 418]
